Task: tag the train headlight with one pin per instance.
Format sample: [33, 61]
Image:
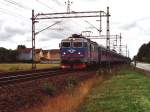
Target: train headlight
[79, 53]
[64, 53]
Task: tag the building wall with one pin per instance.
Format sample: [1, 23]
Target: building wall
[54, 56]
[25, 56]
[38, 56]
[47, 55]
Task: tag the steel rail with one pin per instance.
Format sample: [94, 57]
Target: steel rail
[30, 76]
[5, 74]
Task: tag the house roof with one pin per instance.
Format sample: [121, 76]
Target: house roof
[28, 50]
[55, 51]
[38, 50]
[25, 50]
[45, 51]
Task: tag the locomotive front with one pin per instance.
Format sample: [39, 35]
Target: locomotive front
[74, 52]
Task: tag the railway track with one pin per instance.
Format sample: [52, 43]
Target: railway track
[24, 72]
[15, 78]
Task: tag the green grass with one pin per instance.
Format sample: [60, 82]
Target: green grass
[24, 66]
[127, 92]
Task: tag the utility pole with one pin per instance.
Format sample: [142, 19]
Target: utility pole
[126, 51]
[128, 54]
[100, 24]
[114, 45]
[68, 3]
[33, 41]
[34, 33]
[107, 30]
[120, 50]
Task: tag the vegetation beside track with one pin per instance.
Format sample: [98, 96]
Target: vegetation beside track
[128, 91]
[46, 94]
[24, 66]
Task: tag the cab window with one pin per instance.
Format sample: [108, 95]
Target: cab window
[65, 44]
[77, 44]
[85, 44]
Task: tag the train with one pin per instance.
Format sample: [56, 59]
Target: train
[79, 52]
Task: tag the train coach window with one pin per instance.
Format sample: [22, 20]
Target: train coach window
[84, 44]
[65, 44]
[77, 44]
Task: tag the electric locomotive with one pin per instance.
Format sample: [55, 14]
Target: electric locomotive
[78, 52]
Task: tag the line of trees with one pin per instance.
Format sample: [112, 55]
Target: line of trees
[143, 54]
[7, 55]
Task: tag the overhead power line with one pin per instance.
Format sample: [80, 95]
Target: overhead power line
[14, 14]
[17, 4]
[47, 27]
[44, 4]
[92, 25]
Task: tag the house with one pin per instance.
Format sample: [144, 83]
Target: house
[38, 55]
[25, 54]
[46, 55]
[55, 56]
[43, 56]
[51, 56]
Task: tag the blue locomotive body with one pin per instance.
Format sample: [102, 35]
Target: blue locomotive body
[73, 54]
[78, 52]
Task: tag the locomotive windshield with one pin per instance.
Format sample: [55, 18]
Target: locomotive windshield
[77, 44]
[65, 44]
[84, 44]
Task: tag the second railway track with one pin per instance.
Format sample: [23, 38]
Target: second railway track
[6, 80]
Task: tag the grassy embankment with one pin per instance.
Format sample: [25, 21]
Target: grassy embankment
[24, 66]
[128, 91]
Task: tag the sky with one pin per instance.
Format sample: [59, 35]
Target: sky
[131, 18]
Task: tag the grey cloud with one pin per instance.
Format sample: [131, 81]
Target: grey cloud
[7, 32]
[134, 24]
[50, 35]
[70, 26]
[8, 35]
[57, 2]
[1, 23]
[129, 26]
[144, 18]
[15, 31]
[67, 28]
[56, 35]
[146, 32]
[44, 39]
[5, 36]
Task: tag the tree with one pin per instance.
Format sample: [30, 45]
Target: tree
[8, 55]
[21, 47]
[144, 53]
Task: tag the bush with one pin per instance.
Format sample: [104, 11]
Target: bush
[71, 81]
[49, 88]
[99, 72]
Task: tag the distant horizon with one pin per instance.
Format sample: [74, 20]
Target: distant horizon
[130, 18]
[59, 48]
